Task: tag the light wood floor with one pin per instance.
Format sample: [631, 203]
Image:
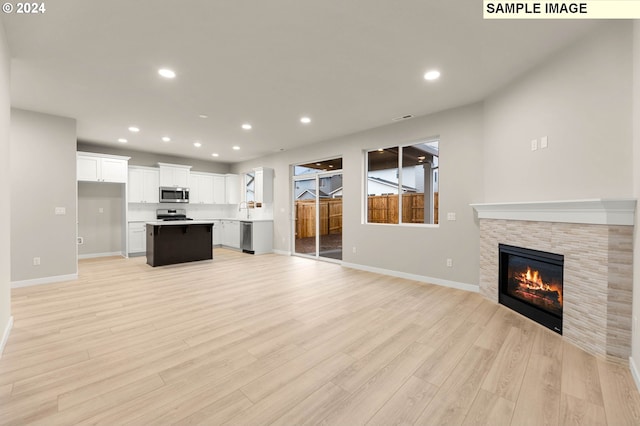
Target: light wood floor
[283, 340]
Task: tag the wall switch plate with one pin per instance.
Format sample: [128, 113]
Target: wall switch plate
[449, 263]
[534, 144]
[36, 261]
[61, 210]
[354, 249]
[451, 216]
[544, 142]
[100, 210]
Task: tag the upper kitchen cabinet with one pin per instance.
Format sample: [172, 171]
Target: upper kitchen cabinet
[174, 175]
[219, 190]
[201, 189]
[258, 186]
[264, 185]
[101, 167]
[232, 189]
[144, 183]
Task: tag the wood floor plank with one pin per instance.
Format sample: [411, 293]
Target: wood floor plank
[539, 399]
[489, 409]
[406, 405]
[620, 396]
[504, 379]
[295, 342]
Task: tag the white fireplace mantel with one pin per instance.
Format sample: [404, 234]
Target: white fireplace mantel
[595, 211]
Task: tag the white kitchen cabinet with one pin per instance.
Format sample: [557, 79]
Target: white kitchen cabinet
[219, 190]
[201, 188]
[217, 233]
[264, 185]
[137, 237]
[143, 184]
[231, 233]
[175, 175]
[101, 168]
[232, 186]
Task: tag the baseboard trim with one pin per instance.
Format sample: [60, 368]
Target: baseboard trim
[634, 372]
[94, 255]
[5, 335]
[427, 280]
[282, 252]
[45, 280]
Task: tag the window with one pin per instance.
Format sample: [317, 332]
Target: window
[402, 184]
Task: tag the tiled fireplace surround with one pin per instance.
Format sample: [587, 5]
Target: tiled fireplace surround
[596, 239]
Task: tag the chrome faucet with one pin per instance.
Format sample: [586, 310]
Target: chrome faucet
[246, 207]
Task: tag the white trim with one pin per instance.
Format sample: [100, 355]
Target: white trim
[427, 280]
[94, 255]
[634, 372]
[5, 335]
[596, 211]
[282, 252]
[45, 280]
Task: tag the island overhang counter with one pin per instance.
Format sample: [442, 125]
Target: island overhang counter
[178, 241]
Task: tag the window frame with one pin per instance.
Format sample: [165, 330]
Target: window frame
[400, 147]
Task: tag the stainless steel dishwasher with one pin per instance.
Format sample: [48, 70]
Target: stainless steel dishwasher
[246, 237]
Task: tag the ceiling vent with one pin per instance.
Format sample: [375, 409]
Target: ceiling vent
[404, 117]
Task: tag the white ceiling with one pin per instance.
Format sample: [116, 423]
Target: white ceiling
[349, 65]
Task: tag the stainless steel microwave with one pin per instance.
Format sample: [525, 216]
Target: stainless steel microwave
[170, 194]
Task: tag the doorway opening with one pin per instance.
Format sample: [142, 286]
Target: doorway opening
[317, 207]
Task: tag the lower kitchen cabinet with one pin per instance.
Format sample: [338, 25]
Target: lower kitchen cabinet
[217, 233]
[231, 233]
[137, 238]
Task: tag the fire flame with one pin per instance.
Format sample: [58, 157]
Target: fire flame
[533, 281]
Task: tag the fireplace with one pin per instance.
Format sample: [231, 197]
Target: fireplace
[530, 282]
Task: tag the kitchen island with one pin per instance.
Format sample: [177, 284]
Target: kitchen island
[178, 241]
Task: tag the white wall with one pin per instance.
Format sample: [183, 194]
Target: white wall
[5, 202]
[416, 250]
[581, 100]
[635, 342]
[100, 218]
[43, 177]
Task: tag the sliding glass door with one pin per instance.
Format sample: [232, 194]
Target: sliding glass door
[317, 207]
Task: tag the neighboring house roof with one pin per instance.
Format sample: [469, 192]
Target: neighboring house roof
[311, 192]
[391, 184]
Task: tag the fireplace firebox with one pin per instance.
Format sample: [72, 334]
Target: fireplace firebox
[530, 282]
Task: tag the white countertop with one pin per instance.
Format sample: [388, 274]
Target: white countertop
[179, 222]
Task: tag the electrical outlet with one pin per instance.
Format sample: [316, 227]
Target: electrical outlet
[449, 263]
[534, 144]
[36, 261]
[61, 210]
[80, 240]
[544, 142]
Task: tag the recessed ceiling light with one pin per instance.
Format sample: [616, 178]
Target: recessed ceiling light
[122, 140]
[431, 75]
[134, 129]
[167, 73]
[317, 164]
[197, 144]
[305, 120]
[215, 154]
[203, 116]
[236, 148]
[246, 126]
[166, 139]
